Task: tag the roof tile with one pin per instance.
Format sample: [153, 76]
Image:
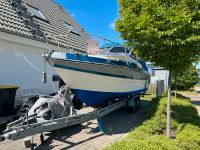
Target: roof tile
[56, 16]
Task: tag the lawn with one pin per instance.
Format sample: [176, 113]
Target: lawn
[197, 85]
[150, 135]
[188, 92]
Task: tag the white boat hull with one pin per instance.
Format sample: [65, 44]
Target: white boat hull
[93, 89]
[94, 80]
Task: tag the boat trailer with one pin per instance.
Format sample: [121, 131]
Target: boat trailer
[23, 127]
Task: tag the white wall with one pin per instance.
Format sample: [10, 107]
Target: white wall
[160, 75]
[22, 64]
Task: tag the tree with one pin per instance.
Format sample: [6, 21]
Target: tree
[186, 80]
[165, 32]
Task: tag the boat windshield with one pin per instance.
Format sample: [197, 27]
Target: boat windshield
[102, 46]
[120, 50]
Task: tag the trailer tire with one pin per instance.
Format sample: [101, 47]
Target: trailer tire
[131, 109]
[131, 105]
[137, 103]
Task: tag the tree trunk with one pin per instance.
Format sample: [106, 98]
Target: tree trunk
[169, 106]
[175, 88]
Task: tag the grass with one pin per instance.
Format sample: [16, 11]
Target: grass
[148, 97]
[151, 88]
[197, 85]
[149, 135]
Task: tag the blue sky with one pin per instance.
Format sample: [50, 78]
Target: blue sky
[95, 16]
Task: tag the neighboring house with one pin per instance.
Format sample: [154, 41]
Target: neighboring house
[158, 73]
[93, 47]
[23, 27]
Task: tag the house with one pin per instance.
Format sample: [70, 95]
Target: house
[158, 73]
[28, 28]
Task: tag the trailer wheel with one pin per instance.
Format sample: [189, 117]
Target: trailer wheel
[77, 103]
[131, 107]
[137, 103]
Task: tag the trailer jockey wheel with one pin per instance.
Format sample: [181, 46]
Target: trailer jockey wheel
[42, 138]
[32, 144]
[32, 147]
[77, 103]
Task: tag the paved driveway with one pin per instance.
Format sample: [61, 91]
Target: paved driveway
[85, 136]
[195, 99]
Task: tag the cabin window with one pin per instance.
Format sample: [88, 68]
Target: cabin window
[36, 12]
[71, 28]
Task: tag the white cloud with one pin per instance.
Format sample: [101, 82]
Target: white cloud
[112, 25]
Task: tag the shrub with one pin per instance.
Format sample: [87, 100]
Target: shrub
[187, 79]
[149, 135]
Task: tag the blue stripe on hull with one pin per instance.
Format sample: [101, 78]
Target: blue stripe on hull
[96, 98]
[91, 71]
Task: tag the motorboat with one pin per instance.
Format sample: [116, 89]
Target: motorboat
[94, 79]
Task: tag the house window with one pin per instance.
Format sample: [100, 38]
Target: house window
[36, 12]
[71, 28]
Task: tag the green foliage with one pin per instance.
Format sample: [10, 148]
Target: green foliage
[187, 79]
[166, 32]
[149, 135]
